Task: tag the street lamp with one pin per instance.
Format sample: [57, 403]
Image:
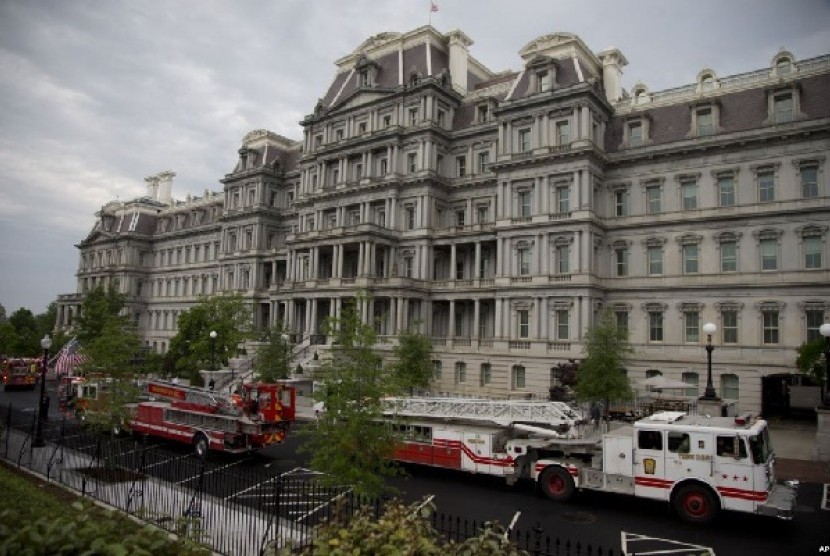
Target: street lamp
[824, 330]
[709, 329]
[43, 408]
[213, 335]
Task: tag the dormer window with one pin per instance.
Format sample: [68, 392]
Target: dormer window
[482, 113]
[542, 74]
[366, 71]
[782, 104]
[544, 80]
[705, 122]
[640, 93]
[636, 132]
[705, 119]
[361, 128]
[706, 81]
[783, 64]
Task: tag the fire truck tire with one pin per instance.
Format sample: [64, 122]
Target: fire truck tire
[201, 444]
[557, 484]
[696, 504]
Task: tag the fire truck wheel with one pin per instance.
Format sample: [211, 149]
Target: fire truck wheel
[200, 444]
[696, 504]
[557, 484]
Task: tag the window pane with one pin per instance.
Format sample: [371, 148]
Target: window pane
[815, 318]
[769, 254]
[729, 386]
[809, 181]
[783, 108]
[622, 261]
[654, 200]
[690, 259]
[563, 254]
[726, 187]
[692, 332]
[563, 133]
[563, 199]
[655, 321]
[689, 193]
[635, 134]
[729, 320]
[562, 329]
[705, 122]
[728, 256]
[770, 327]
[655, 260]
[766, 187]
[693, 380]
[812, 252]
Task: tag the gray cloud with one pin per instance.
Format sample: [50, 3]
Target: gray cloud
[97, 95]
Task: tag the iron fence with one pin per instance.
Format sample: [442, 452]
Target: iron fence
[232, 508]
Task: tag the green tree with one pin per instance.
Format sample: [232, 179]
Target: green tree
[112, 354]
[273, 359]
[413, 365]
[99, 306]
[350, 442]
[600, 376]
[8, 338]
[809, 359]
[26, 341]
[2, 313]
[190, 349]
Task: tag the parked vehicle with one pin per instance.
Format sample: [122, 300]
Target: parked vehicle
[700, 465]
[20, 373]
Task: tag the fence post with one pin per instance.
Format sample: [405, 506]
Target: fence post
[8, 429]
[537, 539]
[58, 446]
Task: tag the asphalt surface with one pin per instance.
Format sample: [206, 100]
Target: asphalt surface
[596, 519]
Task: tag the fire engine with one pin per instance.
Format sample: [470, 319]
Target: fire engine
[259, 415]
[20, 373]
[698, 464]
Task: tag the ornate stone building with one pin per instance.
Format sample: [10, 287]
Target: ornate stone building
[501, 212]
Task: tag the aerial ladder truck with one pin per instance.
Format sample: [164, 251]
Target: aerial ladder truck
[698, 464]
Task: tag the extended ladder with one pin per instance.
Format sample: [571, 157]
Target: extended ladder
[189, 394]
[499, 412]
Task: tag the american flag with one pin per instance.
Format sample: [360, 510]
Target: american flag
[433, 7]
[69, 358]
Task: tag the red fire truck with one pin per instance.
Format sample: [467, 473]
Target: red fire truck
[698, 464]
[20, 373]
[259, 415]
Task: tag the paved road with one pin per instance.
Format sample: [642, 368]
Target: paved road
[593, 518]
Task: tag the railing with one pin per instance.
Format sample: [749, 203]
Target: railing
[239, 510]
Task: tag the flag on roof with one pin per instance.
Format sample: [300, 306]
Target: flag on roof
[69, 358]
[433, 7]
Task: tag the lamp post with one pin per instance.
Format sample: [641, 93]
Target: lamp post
[824, 330]
[213, 335]
[709, 329]
[43, 407]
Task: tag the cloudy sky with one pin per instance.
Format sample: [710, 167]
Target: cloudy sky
[98, 94]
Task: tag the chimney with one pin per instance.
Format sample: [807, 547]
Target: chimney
[459, 42]
[612, 64]
[166, 187]
[152, 187]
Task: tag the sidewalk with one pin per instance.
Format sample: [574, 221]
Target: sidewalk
[794, 445]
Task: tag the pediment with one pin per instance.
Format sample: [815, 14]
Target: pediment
[359, 98]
